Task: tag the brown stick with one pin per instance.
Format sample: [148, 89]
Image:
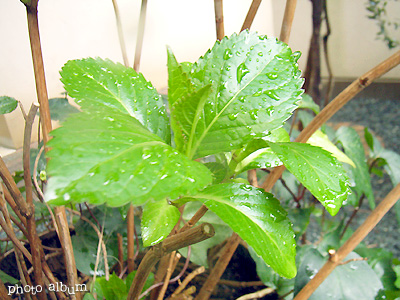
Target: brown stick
[251, 14]
[3, 291]
[287, 20]
[219, 268]
[131, 241]
[31, 225]
[172, 243]
[120, 267]
[13, 205]
[369, 224]
[196, 217]
[171, 267]
[187, 279]
[120, 33]
[139, 40]
[219, 19]
[345, 96]
[41, 90]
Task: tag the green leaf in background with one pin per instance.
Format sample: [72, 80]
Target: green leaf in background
[131, 276]
[229, 101]
[115, 160]
[7, 104]
[158, 219]
[308, 102]
[219, 171]
[354, 149]
[97, 82]
[60, 109]
[114, 288]
[5, 278]
[352, 281]
[317, 170]
[222, 232]
[258, 218]
[320, 139]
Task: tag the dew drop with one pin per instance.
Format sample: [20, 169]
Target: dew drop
[242, 70]
[253, 114]
[233, 117]
[227, 54]
[296, 55]
[272, 76]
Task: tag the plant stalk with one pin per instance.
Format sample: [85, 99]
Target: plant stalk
[251, 15]
[287, 20]
[335, 259]
[139, 41]
[41, 89]
[120, 33]
[172, 243]
[131, 241]
[219, 19]
[345, 96]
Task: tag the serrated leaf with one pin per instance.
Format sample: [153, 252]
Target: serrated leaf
[114, 288]
[252, 90]
[317, 170]
[308, 102]
[115, 160]
[97, 82]
[352, 281]
[353, 148]
[158, 219]
[320, 139]
[60, 109]
[7, 104]
[258, 218]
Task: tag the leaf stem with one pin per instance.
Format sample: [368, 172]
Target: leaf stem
[362, 231]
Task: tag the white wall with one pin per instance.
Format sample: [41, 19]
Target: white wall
[72, 29]
[353, 46]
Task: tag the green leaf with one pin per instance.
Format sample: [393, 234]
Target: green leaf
[158, 219]
[89, 297]
[308, 102]
[98, 82]
[219, 171]
[320, 139]
[397, 270]
[369, 138]
[317, 170]
[352, 281]
[60, 109]
[7, 104]
[258, 218]
[131, 276]
[5, 278]
[115, 160]
[393, 165]
[353, 147]
[227, 102]
[114, 288]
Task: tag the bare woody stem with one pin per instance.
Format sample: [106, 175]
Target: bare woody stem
[251, 15]
[120, 33]
[219, 19]
[3, 291]
[172, 243]
[345, 96]
[287, 20]
[139, 41]
[41, 90]
[31, 223]
[131, 241]
[335, 259]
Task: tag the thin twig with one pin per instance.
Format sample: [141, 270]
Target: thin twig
[287, 20]
[139, 41]
[3, 291]
[251, 15]
[98, 256]
[130, 218]
[362, 231]
[174, 258]
[219, 19]
[325, 38]
[187, 279]
[120, 254]
[120, 33]
[257, 295]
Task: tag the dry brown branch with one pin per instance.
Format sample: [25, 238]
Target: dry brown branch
[251, 14]
[120, 254]
[31, 222]
[196, 217]
[252, 177]
[139, 41]
[257, 295]
[287, 20]
[130, 218]
[362, 231]
[13, 205]
[41, 90]
[345, 96]
[219, 267]
[186, 281]
[120, 33]
[172, 243]
[219, 19]
[3, 291]
[174, 258]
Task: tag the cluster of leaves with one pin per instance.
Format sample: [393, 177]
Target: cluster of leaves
[378, 11]
[226, 110]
